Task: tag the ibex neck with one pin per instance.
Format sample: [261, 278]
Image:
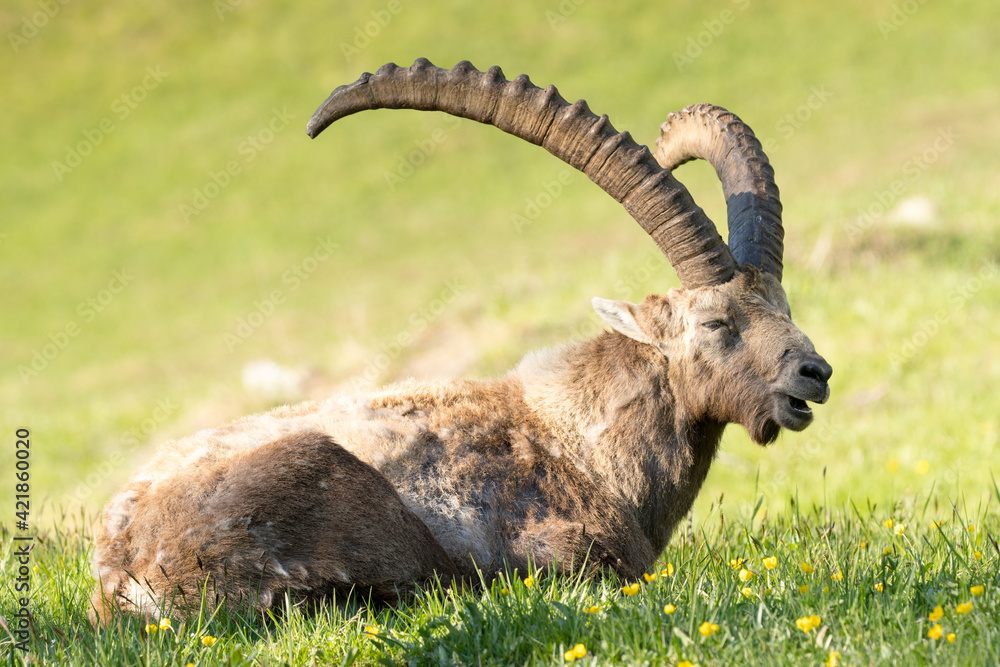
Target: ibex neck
[610, 404]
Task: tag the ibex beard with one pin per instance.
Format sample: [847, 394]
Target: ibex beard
[584, 456]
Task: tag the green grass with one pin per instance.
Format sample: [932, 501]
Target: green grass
[895, 565]
[905, 313]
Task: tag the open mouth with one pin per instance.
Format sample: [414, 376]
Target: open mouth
[799, 405]
[794, 413]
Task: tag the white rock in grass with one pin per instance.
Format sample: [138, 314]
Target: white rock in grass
[917, 210]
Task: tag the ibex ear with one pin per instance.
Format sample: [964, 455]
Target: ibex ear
[620, 315]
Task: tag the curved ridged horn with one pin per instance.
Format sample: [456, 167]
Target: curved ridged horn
[622, 168]
[711, 133]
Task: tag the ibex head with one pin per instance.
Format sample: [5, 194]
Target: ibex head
[734, 354]
[732, 337]
[732, 351]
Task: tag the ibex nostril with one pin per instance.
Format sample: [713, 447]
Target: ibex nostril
[816, 370]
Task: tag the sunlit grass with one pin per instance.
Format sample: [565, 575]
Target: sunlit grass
[788, 587]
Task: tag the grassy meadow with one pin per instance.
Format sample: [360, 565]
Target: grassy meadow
[166, 222]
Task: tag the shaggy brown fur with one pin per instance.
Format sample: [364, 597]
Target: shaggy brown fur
[255, 523]
[588, 453]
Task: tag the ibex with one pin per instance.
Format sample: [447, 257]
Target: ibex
[584, 456]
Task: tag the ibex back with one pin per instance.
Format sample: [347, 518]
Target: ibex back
[586, 455]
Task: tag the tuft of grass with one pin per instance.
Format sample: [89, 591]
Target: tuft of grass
[785, 587]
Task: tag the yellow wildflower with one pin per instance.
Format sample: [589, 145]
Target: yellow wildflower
[935, 632]
[833, 660]
[371, 630]
[631, 589]
[708, 629]
[649, 577]
[736, 563]
[745, 575]
[964, 608]
[951, 637]
[837, 576]
[826, 589]
[936, 615]
[668, 571]
[504, 591]
[685, 663]
[886, 551]
[577, 651]
[208, 640]
[669, 609]
[899, 529]
[804, 588]
[879, 587]
[936, 525]
[771, 562]
[923, 467]
[807, 623]
[892, 465]
[977, 590]
[747, 592]
[806, 567]
[972, 527]
[888, 523]
[529, 581]
[593, 609]
[151, 629]
[977, 554]
[863, 545]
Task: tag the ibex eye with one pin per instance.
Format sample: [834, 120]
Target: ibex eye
[715, 325]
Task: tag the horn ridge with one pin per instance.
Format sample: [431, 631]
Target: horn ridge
[624, 169]
[756, 234]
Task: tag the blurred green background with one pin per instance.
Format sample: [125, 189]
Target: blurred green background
[165, 220]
